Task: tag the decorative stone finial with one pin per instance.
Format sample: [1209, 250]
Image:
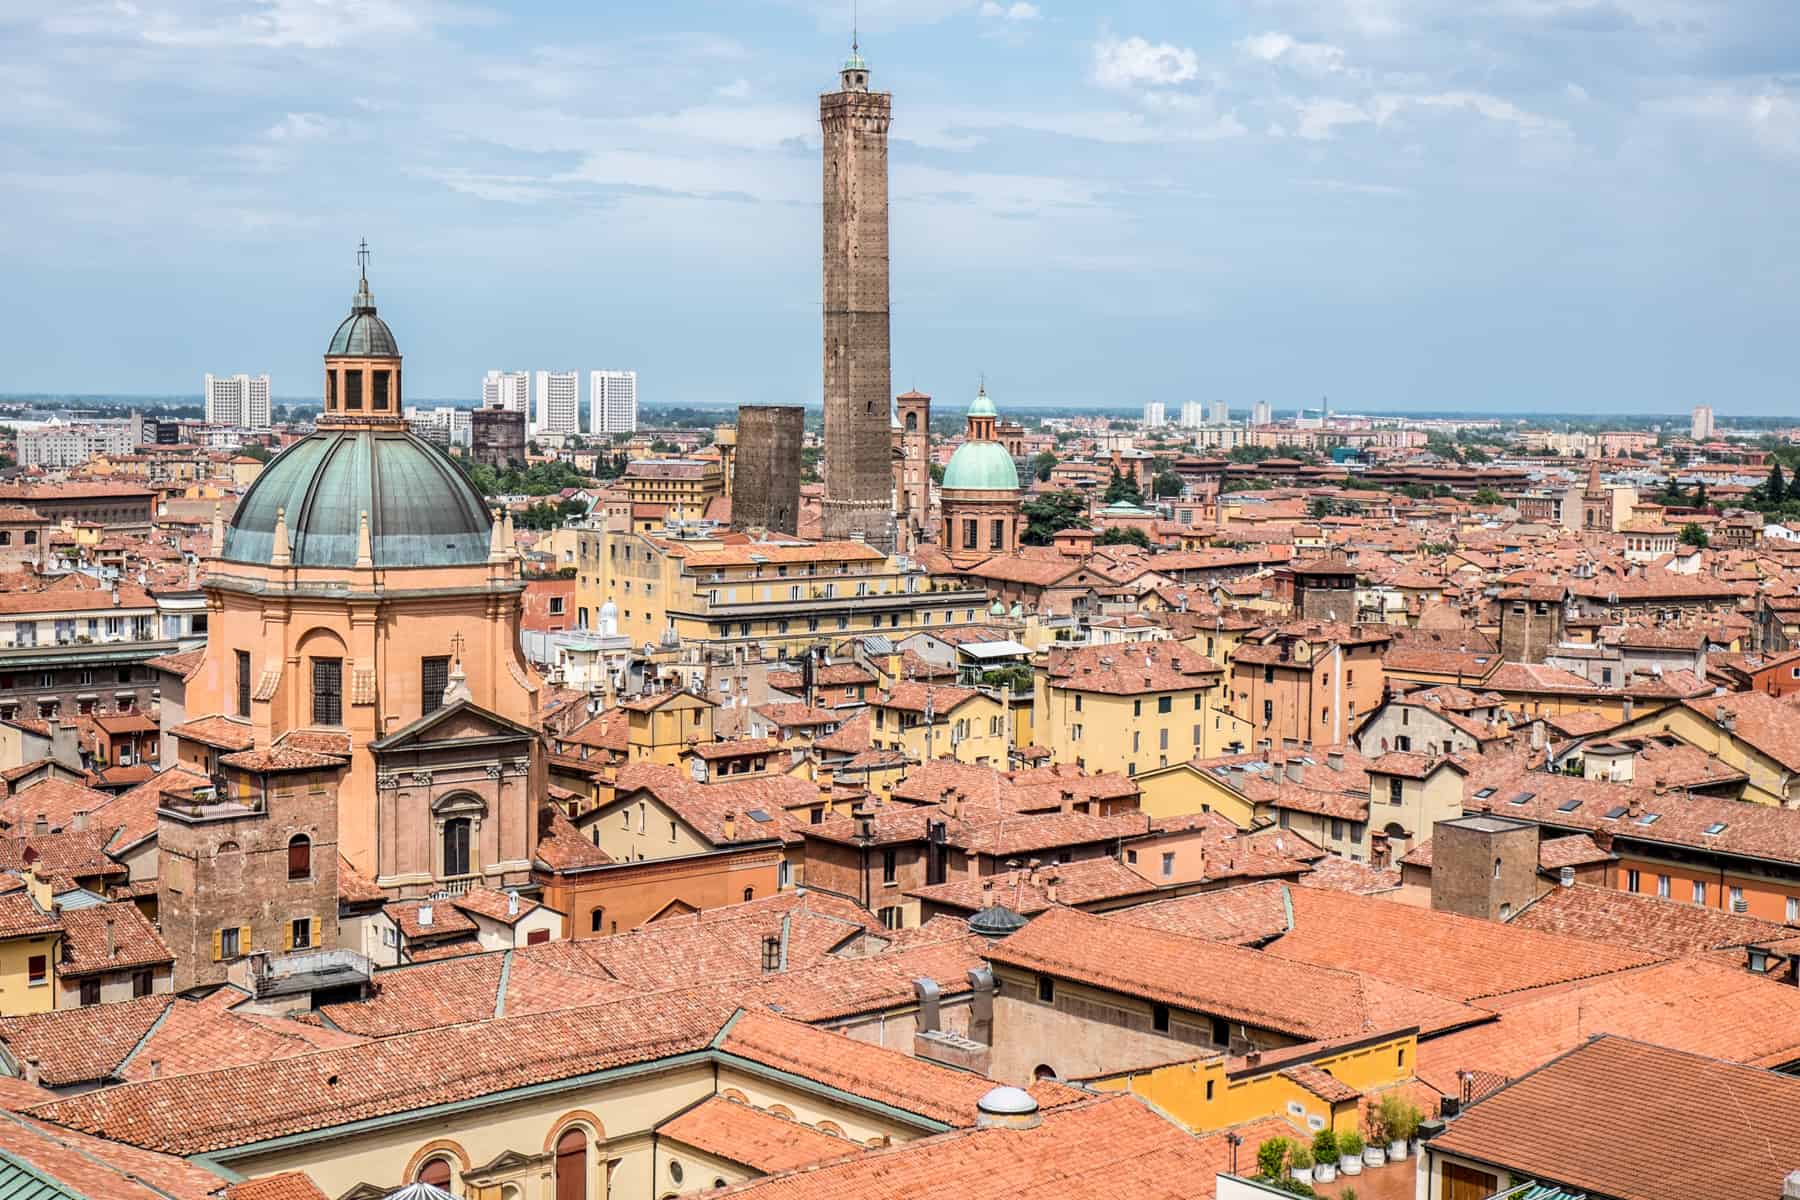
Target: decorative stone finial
[365, 556]
[218, 530]
[281, 555]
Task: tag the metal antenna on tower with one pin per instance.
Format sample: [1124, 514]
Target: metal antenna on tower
[854, 47]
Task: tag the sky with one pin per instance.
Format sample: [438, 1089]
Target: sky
[1574, 205]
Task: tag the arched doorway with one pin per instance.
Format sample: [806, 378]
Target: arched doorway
[571, 1165]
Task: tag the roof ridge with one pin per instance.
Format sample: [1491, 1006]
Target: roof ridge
[144, 1039]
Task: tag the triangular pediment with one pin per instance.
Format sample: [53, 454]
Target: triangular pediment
[460, 722]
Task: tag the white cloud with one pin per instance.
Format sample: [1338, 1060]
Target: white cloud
[1018, 11]
[1350, 187]
[1134, 61]
[306, 24]
[1312, 58]
[298, 127]
[1491, 107]
[1319, 119]
[1766, 112]
[737, 89]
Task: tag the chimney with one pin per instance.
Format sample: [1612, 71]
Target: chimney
[1050, 887]
[926, 990]
[1068, 801]
[112, 938]
[424, 916]
[1334, 759]
[1740, 905]
[156, 1068]
[78, 821]
[1031, 871]
[512, 903]
[981, 1005]
[1790, 1186]
[1537, 735]
[1295, 771]
[41, 825]
[1566, 877]
[34, 1072]
[730, 826]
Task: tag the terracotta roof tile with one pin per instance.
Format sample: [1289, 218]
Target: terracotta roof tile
[1621, 1118]
[115, 936]
[1647, 923]
[753, 1137]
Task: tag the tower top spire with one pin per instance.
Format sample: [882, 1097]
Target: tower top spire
[362, 258]
[855, 74]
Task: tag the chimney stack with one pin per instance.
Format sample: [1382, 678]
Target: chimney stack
[112, 938]
[1566, 877]
[730, 826]
[425, 916]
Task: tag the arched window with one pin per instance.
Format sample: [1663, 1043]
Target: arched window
[1043, 1071]
[436, 1172]
[299, 857]
[571, 1165]
[749, 894]
[456, 846]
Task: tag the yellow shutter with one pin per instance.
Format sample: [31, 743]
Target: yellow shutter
[218, 947]
[243, 939]
[287, 935]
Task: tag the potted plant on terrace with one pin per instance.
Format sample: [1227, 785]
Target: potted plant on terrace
[1401, 1121]
[1272, 1159]
[1374, 1154]
[1325, 1156]
[1350, 1149]
[1300, 1162]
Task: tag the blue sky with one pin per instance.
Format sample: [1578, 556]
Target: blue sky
[1519, 204]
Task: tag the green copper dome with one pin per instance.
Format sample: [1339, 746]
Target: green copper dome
[984, 466]
[423, 512]
[982, 406]
[362, 334]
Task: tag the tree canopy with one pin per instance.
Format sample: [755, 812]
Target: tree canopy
[1046, 515]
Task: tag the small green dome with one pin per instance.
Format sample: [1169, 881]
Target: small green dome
[362, 334]
[982, 466]
[983, 407]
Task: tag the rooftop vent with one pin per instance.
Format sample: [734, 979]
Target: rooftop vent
[1007, 1108]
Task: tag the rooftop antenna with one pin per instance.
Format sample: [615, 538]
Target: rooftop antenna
[855, 48]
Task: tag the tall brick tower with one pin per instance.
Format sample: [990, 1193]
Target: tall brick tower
[859, 491]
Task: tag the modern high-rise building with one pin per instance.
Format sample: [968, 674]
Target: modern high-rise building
[507, 389]
[1702, 427]
[558, 402]
[612, 401]
[1155, 415]
[1193, 414]
[241, 400]
[1263, 414]
[859, 480]
[1221, 413]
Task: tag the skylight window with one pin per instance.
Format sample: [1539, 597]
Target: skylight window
[1523, 797]
[1484, 793]
[1568, 806]
[757, 814]
[1715, 829]
[1649, 818]
[1613, 814]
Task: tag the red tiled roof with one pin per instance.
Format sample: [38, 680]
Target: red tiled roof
[1647, 923]
[753, 1137]
[1620, 1118]
[221, 733]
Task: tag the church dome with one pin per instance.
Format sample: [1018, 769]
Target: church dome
[362, 334]
[982, 466]
[981, 406]
[423, 512]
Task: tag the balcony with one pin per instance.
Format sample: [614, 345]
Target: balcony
[308, 971]
[457, 885]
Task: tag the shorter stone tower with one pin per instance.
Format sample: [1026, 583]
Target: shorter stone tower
[912, 482]
[766, 494]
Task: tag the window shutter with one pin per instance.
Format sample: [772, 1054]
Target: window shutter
[287, 935]
[218, 947]
[243, 939]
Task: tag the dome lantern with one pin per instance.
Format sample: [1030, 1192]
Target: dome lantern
[362, 362]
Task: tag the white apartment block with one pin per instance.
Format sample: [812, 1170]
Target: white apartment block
[612, 401]
[507, 389]
[444, 425]
[1263, 414]
[1701, 429]
[1155, 415]
[1193, 414]
[558, 402]
[238, 400]
[1221, 413]
[56, 445]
